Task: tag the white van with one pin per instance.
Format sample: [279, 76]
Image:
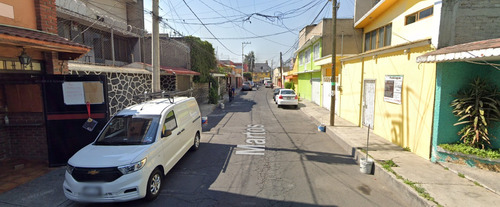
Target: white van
[133, 152]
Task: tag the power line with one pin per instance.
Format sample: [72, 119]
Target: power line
[208, 29]
[246, 29]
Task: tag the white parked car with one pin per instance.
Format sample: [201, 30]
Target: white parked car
[133, 152]
[287, 97]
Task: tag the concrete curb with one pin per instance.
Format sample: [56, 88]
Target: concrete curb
[405, 191]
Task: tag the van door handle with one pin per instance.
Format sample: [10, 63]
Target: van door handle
[180, 132]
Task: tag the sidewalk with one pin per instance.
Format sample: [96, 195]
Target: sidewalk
[433, 181]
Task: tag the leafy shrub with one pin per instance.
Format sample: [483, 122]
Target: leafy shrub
[289, 85]
[477, 106]
[466, 149]
[213, 97]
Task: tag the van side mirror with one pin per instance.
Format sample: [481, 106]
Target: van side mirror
[166, 133]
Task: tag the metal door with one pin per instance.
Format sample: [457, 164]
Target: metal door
[66, 112]
[316, 90]
[368, 103]
[327, 93]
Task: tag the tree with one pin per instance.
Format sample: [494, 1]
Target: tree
[250, 61]
[247, 76]
[202, 58]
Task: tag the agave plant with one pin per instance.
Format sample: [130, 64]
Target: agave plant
[477, 106]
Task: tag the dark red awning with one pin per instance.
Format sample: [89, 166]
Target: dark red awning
[179, 71]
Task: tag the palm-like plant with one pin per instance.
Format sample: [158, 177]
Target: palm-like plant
[477, 106]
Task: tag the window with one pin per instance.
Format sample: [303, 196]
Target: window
[129, 130]
[9, 64]
[378, 38]
[308, 56]
[301, 58]
[316, 51]
[170, 122]
[419, 15]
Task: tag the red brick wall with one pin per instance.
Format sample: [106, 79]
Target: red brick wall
[4, 141]
[46, 15]
[4, 133]
[27, 136]
[53, 65]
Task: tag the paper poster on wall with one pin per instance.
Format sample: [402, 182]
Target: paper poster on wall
[73, 93]
[393, 88]
[93, 92]
[79, 93]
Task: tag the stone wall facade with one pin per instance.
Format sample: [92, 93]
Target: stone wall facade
[122, 87]
[168, 82]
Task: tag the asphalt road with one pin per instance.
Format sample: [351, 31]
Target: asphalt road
[256, 154]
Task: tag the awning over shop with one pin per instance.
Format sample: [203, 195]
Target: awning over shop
[472, 51]
[29, 38]
[291, 76]
[74, 66]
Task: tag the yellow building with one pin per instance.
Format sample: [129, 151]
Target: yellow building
[260, 71]
[384, 87]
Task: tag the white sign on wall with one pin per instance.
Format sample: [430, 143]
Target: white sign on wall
[393, 88]
[73, 93]
[79, 93]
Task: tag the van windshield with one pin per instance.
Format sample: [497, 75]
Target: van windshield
[129, 130]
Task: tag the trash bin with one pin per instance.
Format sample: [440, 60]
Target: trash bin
[365, 165]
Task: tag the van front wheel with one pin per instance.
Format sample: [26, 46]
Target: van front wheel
[196, 142]
[154, 185]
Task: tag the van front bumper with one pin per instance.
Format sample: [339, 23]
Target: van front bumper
[127, 187]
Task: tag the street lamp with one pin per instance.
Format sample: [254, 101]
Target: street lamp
[24, 58]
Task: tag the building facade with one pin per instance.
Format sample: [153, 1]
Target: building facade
[313, 57]
[28, 30]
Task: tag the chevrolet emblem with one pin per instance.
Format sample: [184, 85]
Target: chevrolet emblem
[93, 172]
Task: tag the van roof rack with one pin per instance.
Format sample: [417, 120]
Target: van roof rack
[162, 94]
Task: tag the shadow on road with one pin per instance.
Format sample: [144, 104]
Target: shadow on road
[189, 182]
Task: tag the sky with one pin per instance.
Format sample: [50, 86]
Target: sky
[270, 26]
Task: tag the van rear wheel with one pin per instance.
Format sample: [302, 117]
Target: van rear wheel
[196, 142]
[154, 185]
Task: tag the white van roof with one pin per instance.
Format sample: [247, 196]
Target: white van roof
[152, 107]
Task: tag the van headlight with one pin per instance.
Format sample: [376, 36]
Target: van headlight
[130, 168]
[69, 168]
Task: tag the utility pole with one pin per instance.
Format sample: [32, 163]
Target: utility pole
[281, 70]
[334, 45]
[155, 39]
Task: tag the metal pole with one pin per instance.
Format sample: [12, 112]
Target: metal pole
[113, 46]
[334, 54]
[281, 70]
[155, 39]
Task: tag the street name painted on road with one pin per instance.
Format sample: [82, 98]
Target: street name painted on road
[256, 141]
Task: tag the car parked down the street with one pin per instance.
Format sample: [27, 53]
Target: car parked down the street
[287, 97]
[246, 86]
[275, 92]
[268, 84]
